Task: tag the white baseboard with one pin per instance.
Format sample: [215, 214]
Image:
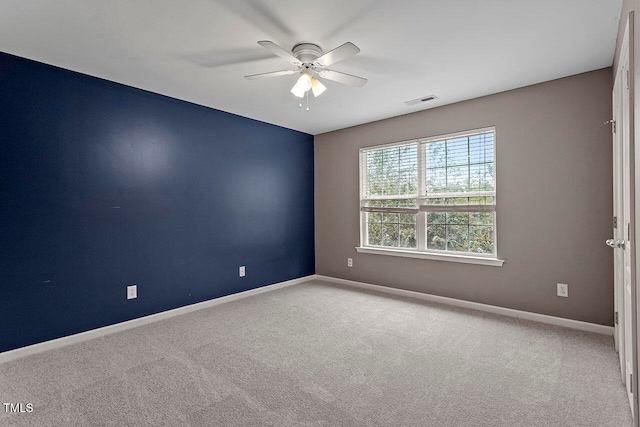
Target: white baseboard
[542, 318]
[106, 330]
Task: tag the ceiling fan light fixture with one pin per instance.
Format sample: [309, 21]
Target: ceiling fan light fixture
[317, 87]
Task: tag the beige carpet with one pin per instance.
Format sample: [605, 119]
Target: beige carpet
[324, 355]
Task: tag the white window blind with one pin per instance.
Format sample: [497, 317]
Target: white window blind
[432, 194]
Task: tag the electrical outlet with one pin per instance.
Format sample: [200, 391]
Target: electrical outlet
[132, 291]
[242, 271]
[349, 262]
[563, 290]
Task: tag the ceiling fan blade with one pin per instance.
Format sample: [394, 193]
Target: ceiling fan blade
[343, 78]
[274, 48]
[338, 54]
[271, 74]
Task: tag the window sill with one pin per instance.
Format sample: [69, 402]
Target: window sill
[495, 262]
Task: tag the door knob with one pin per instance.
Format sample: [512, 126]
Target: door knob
[616, 243]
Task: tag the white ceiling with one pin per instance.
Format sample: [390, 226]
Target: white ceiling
[199, 50]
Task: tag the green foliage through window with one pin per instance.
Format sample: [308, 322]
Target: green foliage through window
[396, 230]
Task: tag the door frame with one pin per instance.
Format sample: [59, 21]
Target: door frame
[626, 131]
[635, 155]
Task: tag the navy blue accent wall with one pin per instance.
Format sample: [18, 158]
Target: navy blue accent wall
[104, 185]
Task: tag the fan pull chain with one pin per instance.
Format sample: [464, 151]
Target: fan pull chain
[307, 101]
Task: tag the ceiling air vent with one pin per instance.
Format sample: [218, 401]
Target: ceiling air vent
[421, 100]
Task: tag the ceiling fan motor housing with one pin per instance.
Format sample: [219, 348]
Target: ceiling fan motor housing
[306, 53]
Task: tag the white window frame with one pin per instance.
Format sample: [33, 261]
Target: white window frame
[421, 251]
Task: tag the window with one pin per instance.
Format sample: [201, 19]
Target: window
[431, 196]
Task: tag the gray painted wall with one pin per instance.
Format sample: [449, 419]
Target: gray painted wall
[554, 201]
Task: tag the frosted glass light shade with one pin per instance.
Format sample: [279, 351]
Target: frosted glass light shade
[317, 87]
[297, 91]
[304, 82]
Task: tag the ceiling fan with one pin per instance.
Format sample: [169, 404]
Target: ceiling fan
[310, 60]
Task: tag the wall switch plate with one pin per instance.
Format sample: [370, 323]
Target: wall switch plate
[563, 290]
[242, 271]
[132, 291]
[349, 262]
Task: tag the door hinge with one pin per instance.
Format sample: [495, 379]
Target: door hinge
[613, 125]
[615, 222]
[615, 317]
[628, 231]
[628, 78]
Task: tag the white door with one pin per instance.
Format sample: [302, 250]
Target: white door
[624, 261]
